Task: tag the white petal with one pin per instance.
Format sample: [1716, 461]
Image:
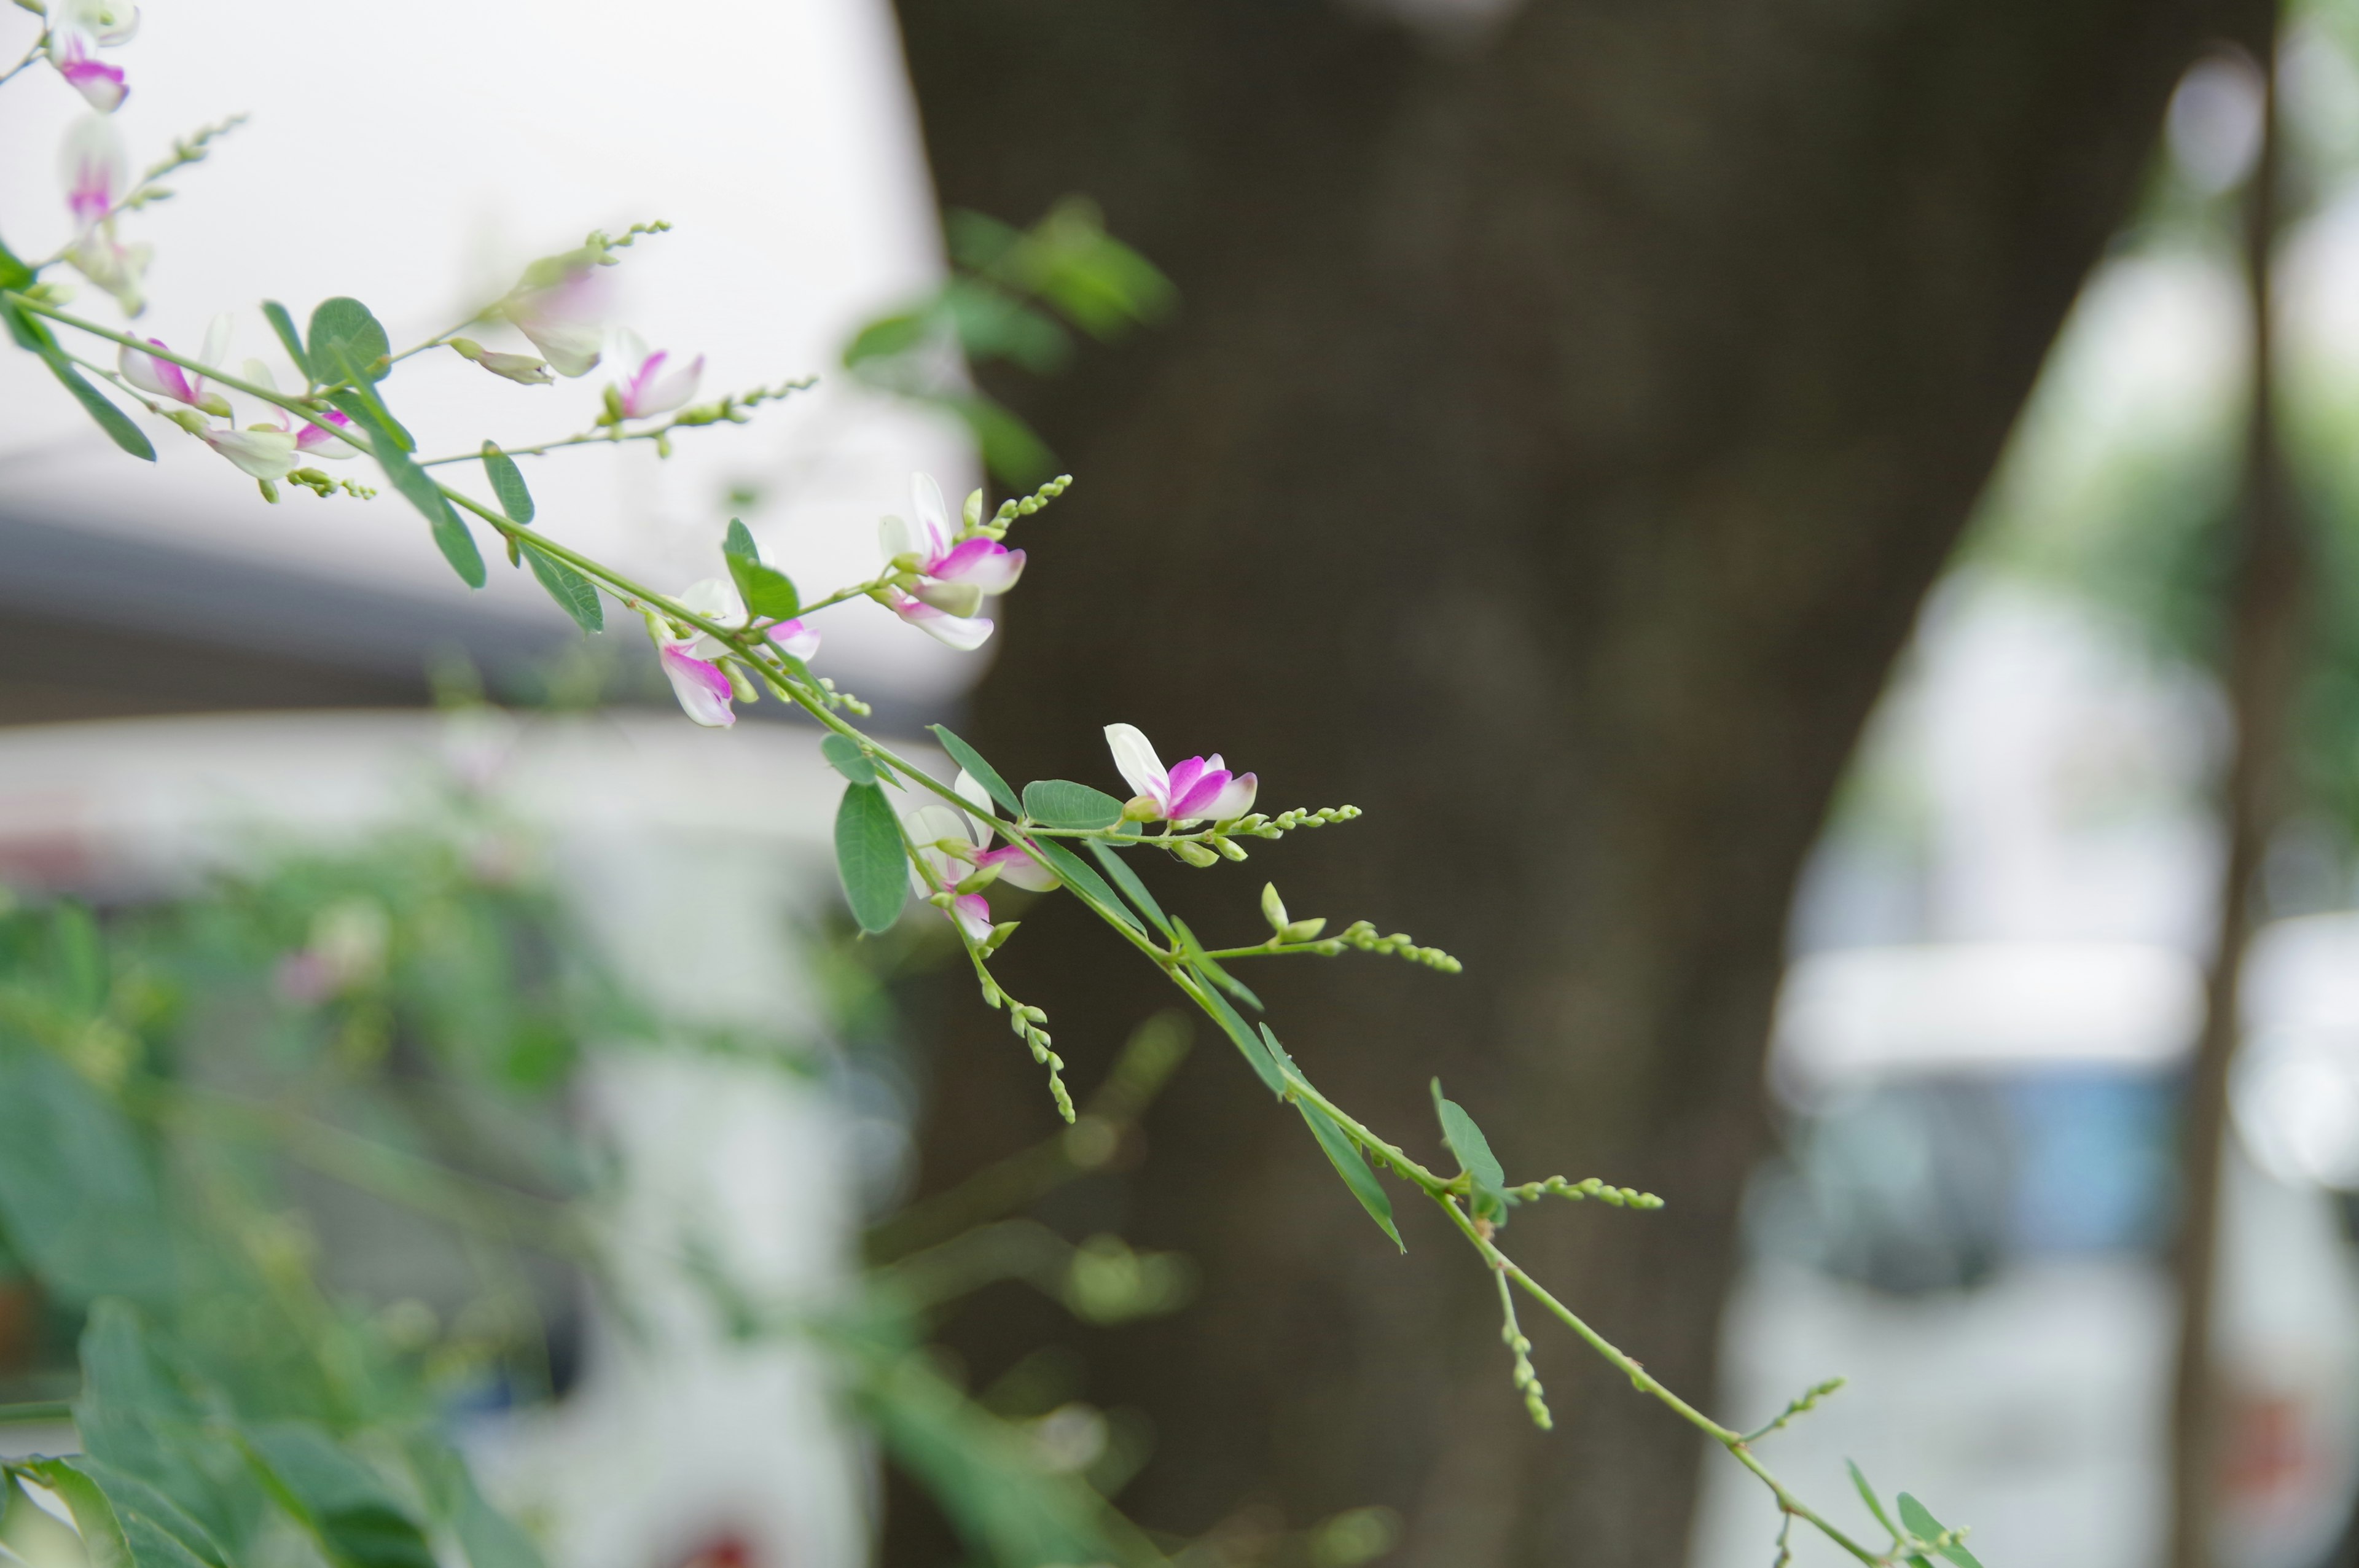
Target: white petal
[1236, 798]
[1135, 760]
[895, 537]
[712, 598]
[138, 367]
[216, 348]
[702, 698]
[970, 789]
[1023, 872]
[933, 517]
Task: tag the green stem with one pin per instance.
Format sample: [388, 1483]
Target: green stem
[39, 1409]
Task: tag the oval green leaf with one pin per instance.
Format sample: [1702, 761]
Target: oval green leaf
[870, 859]
[844, 755]
[507, 483]
[983, 772]
[1352, 1167]
[1060, 803]
[347, 343]
[574, 593]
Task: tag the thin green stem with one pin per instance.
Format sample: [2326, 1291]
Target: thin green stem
[37, 1409]
[40, 46]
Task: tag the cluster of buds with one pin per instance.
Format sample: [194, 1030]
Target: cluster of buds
[1284, 931]
[1285, 822]
[1589, 1187]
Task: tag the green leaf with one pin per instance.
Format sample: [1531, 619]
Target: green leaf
[416, 485]
[1257, 1054]
[94, 1516]
[1059, 802]
[740, 541]
[1925, 1527]
[347, 343]
[1087, 885]
[767, 590]
[870, 857]
[507, 483]
[159, 1533]
[844, 755]
[983, 773]
[491, 1539]
[1868, 1496]
[1352, 1167]
[1127, 880]
[284, 325]
[1221, 977]
[111, 419]
[1474, 1151]
[13, 274]
[80, 957]
[78, 1199]
[136, 1416]
[574, 593]
[351, 1511]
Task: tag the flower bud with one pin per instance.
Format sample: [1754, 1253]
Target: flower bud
[1141, 808]
[972, 514]
[523, 369]
[951, 597]
[1195, 854]
[1273, 908]
[1303, 930]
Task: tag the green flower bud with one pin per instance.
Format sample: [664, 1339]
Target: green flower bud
[1195, 854]
[1303, 930]
[1273, 908]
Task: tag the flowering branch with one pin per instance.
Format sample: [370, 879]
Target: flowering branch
[721, 642]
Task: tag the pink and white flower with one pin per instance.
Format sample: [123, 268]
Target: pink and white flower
[93, 170]
[77, 26]
[563, 321]
[954, 844]
[163, 378]
[647, 388]
[952, 575]
[314, 442]
[101, 85]
[1199, 789]
[263, 452]
[693, 663]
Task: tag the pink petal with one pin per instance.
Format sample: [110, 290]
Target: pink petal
[703, 691]
[985, 564]
[101, 85]
[1236, 798]
[1018, 869]
[966, 633]
[1183, 777]
[160, 378]
[796, 638]
[973, 912]
[1198, 796]
[314, 442]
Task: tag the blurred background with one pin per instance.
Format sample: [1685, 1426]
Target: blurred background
[1782, 515]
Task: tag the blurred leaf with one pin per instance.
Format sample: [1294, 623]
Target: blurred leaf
[1127, 880]
[346, 1504]
[346, 344]
[134, 1416]
[507, 483]
[1868, 1496]
[77, 1197]
[1474, 1151]
[890, 337]
[983, 772]
[1352, 1166]
[870, 859]
[13, 274]
[993, 324]
[844, 755]
[489, 1537]
[740, 541]
[1925, 1527]
[158, 1533]
[1085, 883]
[1102, 285]
[985, 1474]
[1060, 802]
[575, 594]
[94, 1516]
[284, 325]
[81, 957]
[1010, 450]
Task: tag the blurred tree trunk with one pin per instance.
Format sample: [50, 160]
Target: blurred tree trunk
[1565, 419]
